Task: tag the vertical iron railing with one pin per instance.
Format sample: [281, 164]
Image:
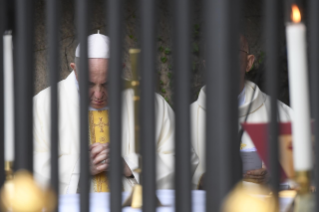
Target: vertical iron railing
[272, 27]
[221, 103]
[114, 9]
[82, 14]
[2, 27]
[313, 45]
[24, 138]
[53, 23]
[182, 66]
[222, 90]
[235, 81]
[148, 37]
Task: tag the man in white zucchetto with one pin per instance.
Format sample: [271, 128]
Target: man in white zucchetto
[98, 54]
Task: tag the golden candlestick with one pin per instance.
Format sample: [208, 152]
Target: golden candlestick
[304, 201]
[8, 168]
[135, 85]
[135, 199]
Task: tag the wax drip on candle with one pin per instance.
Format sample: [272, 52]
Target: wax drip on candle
[295, 15]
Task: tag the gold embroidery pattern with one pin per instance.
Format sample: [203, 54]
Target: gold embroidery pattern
[99, 132]
[101, 124]
[242, 146]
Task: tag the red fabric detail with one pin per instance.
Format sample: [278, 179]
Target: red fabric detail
[258, 134]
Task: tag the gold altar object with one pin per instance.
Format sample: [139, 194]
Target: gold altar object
[135, 85]
[8, 168]
[135, 199]
[304, 201]
[243, 199]
[20, 193]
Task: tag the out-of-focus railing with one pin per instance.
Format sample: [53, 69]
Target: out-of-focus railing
[222, 79]
[53, 26]
[114, 19]
[222, 88]
[182, 75]
[82, 18]
[272, 45]
[24, 85]
[2, 28]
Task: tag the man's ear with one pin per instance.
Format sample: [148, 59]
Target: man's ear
[73, 66]
[250, 62]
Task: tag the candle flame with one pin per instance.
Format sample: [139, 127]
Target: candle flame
[295, 15]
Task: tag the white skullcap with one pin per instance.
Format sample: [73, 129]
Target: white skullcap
[98, 46]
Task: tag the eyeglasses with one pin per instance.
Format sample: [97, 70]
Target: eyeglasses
[243, 51]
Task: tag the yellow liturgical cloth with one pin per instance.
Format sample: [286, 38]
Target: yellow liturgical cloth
[99, 133]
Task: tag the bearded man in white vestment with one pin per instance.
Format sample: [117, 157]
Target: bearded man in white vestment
[98, 55]
[259, 112]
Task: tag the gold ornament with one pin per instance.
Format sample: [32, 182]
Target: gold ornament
[135, 199]
[243, 199]
[305, 199]
[22, 194]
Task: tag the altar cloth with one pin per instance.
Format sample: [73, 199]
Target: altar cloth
[99, 202]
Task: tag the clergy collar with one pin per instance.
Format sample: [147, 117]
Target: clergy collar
[94, 109]
[242, 97]
[257, 101]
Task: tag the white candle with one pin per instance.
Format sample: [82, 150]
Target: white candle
[8, 98]
[299, 94]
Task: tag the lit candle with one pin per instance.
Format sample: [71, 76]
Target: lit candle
[8, 97]
[299, 93]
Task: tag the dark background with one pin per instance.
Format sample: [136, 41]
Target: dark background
[252, 27]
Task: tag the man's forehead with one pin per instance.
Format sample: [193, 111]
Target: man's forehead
[99, 63]
[98, 67]
[96, 60]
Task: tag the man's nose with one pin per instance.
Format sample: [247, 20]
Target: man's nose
[98, 93]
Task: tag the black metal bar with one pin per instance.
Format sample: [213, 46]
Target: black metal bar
[221, 102]
[314, 79]
[82, 14]
[148, 58]
[9, 15]
[182, 63]
[2, 27]
[237, 32]
[24, 142]
[53, 23]
[114, 19]
[272, 24]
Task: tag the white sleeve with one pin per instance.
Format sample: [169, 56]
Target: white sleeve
[165, 148]
[41, 149]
